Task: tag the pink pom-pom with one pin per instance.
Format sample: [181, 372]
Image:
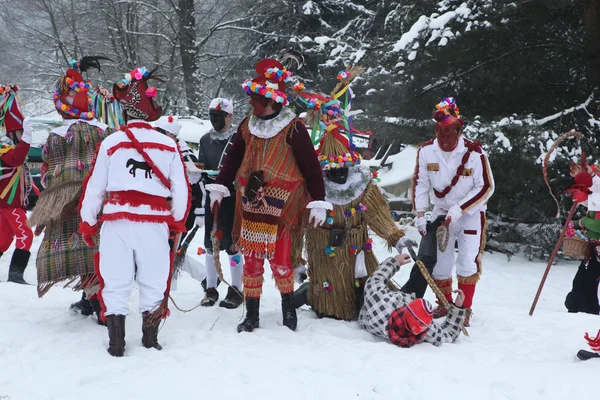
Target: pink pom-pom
[138, 76]
[151, 92]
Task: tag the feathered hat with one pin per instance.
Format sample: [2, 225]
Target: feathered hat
[447, 114]
[270, 81]
[136, 97]
[11, 116]
[73, 97]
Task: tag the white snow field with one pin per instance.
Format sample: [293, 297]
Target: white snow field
[47, 352]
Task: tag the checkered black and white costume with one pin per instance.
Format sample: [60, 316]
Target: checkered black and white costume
[381, 302]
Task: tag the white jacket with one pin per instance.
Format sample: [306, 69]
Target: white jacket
[434, 173]
[139, 195]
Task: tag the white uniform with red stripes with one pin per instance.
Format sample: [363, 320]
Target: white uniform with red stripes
[474, 187]
[136, 216]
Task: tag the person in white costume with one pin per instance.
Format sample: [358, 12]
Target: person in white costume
[457, 170]
[135, 171]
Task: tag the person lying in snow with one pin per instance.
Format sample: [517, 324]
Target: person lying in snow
[401, 317]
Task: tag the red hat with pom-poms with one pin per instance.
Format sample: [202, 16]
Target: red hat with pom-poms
[136, 97]
[270, 81]
[448, 113]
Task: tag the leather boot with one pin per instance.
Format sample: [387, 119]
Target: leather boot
[251, 321]
[301, 295]
[289, 311]
[150, 332]
[233, 299]
[19, 261]
[116, 335]
[83, 306]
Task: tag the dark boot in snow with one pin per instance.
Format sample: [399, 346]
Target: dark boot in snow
[116, 335]
[83, 306]
[210, 297]
[301, 295]
[18, 263]
[97, 309]
[251, 321]
[150, 332]
[233, 299]
[289, 311]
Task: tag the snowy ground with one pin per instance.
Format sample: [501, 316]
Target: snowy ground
[46, 352]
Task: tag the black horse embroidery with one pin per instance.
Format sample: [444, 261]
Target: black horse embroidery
[139, 165]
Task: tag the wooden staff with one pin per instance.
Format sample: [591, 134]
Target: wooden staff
[438, 293]
[551, 260]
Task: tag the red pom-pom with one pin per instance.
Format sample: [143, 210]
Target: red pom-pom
[219, 234]
[15, 88]
[170, 119]
[439, 116]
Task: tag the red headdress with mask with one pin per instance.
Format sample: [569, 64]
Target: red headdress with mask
[11, 116]
[136, 96]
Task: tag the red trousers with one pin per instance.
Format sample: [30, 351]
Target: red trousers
[13, 225]
[281, 265]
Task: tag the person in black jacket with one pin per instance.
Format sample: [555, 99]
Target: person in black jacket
[212, 151]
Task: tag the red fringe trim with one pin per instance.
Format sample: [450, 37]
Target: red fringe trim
[137, 217]
[87, 229]
[137, 199]
[145, 145]
[179, 226]
[593, 342]
[101, 283]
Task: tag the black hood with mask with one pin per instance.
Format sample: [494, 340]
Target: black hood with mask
[337, 175]
[218, 119]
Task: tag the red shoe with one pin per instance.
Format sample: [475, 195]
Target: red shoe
[468, 318]
[439, 312]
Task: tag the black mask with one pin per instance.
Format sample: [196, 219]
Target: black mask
[337, 175]
[13, 136]
[217, 119]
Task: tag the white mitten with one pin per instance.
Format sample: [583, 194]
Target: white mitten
[421, 225]
[404, 242]
[318, 212]
[217, 192]
[454, 213]
[27, 131]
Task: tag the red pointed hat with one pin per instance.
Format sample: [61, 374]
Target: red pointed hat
[11, 116]
[270, 81]
[72, 97]
[136, 97]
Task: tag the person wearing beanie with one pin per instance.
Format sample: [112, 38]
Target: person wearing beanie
[136, 169]
[402, 318]
[278, 181]
[340, 256]
[67, 158]
[212, 150]
[458, 172]
[15, 184]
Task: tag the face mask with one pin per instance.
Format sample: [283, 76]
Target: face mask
[337, 175]
[217, 119]
[447, 141]
[13, 136]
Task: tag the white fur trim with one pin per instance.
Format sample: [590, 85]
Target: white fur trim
[269, 128]
[215, 187]
[320, 204]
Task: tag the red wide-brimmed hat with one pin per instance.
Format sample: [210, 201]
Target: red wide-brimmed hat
[73, 97]
[136, 97]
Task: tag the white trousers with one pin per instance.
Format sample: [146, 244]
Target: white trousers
[468, 231]
[125, 245]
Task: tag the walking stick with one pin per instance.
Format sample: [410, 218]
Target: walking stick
[216, 236]
[182, 251]
[438, 293]
[551, 260]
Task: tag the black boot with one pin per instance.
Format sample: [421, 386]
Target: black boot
[116, 335]
[289, 311]
[83, 306]
[150, 332]
[18, 263]
[251, 321]
[233, 299]
[95, 303]
[210, 297]
[203, 283]
[301, 295]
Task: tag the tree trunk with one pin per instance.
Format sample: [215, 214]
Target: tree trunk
[189, 54]
[591, 21]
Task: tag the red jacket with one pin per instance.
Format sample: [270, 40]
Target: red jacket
[9, 166]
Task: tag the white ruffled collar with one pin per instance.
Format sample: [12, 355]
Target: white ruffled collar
[64, 128]
[341, 194]
[223, 135]
[266, 129]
